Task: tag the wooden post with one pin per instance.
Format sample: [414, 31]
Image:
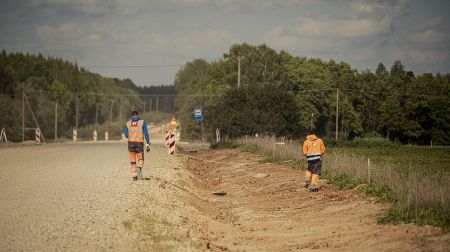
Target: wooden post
[56, 121]
[239, 73]
[23, 116]
[76, 116]
[337, 113]
[157, 103]
[96, 115]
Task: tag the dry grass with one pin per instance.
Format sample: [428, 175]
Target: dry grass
[419, 196]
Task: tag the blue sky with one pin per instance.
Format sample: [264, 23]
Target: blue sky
[171, 32]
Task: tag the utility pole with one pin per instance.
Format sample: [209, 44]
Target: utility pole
[23, 114]
[143, 111]
[150, 105]
[120, 112]
[76, 116]
[337, 113]
[56, 121]
[96, 115]
[110, 114]
[312, 116]
[239, 72]
[157, 103]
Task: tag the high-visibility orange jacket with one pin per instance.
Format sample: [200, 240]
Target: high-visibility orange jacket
[135, 131]
[313, 148]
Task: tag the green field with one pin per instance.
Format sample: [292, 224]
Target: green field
[423, 158]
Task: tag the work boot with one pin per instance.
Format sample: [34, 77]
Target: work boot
[313, 189]
[135, 178]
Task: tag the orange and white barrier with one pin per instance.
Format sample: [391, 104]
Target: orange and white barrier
[106, 136]
[94, 135]
[38, 136]
[74, 135]
[172, 143]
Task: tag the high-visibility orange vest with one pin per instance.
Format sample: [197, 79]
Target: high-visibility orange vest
[135, 131]
[313, 148]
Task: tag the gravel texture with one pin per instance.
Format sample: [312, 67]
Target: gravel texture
[78, 197]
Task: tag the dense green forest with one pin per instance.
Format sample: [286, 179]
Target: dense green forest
[46, 81]
[286, 95]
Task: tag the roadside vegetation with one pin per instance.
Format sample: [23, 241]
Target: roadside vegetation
[283, 94]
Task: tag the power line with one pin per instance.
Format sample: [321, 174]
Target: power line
[215, 95]
[135, 66]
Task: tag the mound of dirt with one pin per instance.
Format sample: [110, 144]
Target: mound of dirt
[266, 208]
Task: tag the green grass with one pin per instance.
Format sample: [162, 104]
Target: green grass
[404, 157]
[224, 145]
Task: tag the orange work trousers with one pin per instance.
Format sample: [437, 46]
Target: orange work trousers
[136, 156]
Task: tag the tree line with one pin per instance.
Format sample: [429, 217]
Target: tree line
[286, 95]
[46, 81]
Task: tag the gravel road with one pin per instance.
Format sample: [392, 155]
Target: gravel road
[80, 197]
[73, 197]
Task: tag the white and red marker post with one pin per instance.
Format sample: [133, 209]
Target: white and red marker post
[106, 136]
[172, 143]
[38, 136]
[167, 136]
[94, 135]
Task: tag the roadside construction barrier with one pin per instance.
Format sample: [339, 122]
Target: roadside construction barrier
[74, 135]
[3, 136]
[167, 136]
[106, 136]
[172, 143]
[38, 136]
[94, 135]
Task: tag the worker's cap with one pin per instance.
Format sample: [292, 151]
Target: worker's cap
[134, 113]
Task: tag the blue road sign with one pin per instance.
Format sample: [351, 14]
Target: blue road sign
[198, 118]
[198, 114]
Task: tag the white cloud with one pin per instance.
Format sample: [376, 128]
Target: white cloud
[432, 23]
[371, 8]
[126, 7]
[364, 7]
[287, 36]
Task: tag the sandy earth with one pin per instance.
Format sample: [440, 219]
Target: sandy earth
[80, 197]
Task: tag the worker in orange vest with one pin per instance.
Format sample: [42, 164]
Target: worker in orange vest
[313, 150]
[136, 131]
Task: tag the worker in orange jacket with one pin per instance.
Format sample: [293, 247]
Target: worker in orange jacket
[136, 131]
[313, 150]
